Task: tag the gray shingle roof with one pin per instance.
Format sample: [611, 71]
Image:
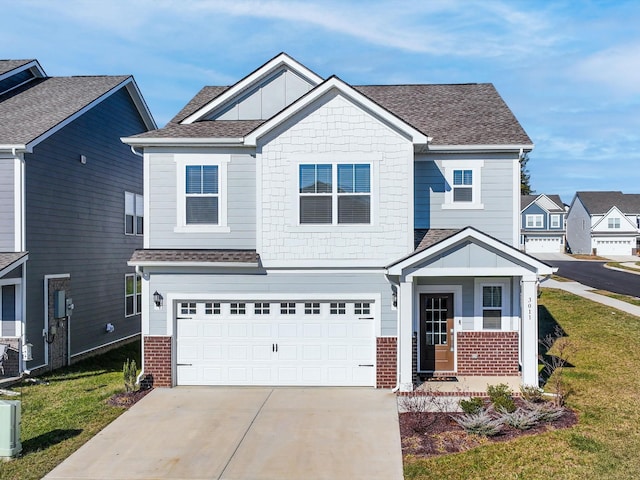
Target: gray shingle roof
[205, 129]
[8, 65]
[7, 258]
[426, 237]
[464, 114]
[526, 200]
[40, 105]
[598, 203]
[200, 256]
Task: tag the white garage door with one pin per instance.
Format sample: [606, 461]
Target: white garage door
[542, 244]
[275, 343]
[613, 247]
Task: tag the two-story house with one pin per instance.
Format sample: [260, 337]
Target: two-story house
[303, 231]
[604, 223]
[70, 214]
[542, 224]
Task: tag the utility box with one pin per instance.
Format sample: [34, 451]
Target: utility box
[10, 420]
[59, 304]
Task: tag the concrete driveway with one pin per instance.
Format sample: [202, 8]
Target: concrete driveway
[247, 433]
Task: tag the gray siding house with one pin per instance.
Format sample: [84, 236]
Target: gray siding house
[543, 219]
[70, 214]
[303, 231]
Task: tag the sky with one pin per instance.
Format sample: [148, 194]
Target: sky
[569, 70]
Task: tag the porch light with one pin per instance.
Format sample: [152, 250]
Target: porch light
[157, 299]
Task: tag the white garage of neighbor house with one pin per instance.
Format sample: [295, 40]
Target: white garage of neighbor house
[542, 228]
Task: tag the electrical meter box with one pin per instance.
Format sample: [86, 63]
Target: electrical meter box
[10, 444]
[59, 304]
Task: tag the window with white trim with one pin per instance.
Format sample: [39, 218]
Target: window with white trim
[534, 221]
[463, 184]
[492, 304]
[491, 307]
[334, 194]
[613, 222]
[133, 214]
[132, 294]
[555, 221]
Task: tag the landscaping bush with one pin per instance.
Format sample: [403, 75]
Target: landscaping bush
[501, 398]
[546, 411]
[129, 372]
[531, 394]
[521, 419]
[480, 424]
[472, 406]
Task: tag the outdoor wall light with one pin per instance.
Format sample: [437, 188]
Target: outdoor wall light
[157, 299]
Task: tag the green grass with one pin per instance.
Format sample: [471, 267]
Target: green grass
[605, 384]
[623, 267]
[617, 296]
[60, 415]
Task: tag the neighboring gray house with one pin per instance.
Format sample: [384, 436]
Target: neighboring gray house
[303, 231]
[70, 213]
[604, 223]
[542, 224]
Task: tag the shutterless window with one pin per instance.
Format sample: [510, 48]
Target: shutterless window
[188, 308]
[132, 294]
[238, 309]
[312, 308]
[361, 308]
[555, 221]
[212, 308]
[534, 221]
[133, 214]
[261, 308]
[614, 222]
[491, 307]
[338, 308]
[202, 195]
[316, 189]
[463, 185]
[354, 197]
[287, 308]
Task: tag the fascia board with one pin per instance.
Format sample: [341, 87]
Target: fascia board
[359, 99]
[193, 264]
[12, 148]
[141, 105]
[185, 141]
[33, 64]
[268, 68]
[487, 147]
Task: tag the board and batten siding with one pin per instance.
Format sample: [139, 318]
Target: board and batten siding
[75, 222]
[7, 204]
[335, 130]
[497, 195]
[162, 201]
[250, 287]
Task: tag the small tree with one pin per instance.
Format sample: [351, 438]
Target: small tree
[525, 176]
[555, 363]
[129, 372]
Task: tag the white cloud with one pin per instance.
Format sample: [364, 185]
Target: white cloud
[615, 67]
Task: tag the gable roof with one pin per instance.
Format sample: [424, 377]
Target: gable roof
[599, 203]
[526, 200]
[463, 115]
[9, 65]
[36, 109]
[11, 260]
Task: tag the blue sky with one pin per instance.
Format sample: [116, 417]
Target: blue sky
[570, 70]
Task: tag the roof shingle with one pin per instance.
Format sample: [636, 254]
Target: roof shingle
[199, 256]
[599, 203]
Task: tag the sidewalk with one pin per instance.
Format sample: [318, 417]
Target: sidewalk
[584, 291]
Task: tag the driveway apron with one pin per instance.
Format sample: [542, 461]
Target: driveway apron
[246, 433]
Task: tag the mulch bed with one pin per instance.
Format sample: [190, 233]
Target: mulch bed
[433, 434]
[127, 400]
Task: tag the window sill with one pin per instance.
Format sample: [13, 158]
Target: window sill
[462, 206]
[202, 229]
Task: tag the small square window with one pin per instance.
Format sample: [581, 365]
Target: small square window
[261, 308]
[311, 308]
[362, 308]
[287, 308]
[238, 308]
[338, 308]
[212, 308]
[188, 308]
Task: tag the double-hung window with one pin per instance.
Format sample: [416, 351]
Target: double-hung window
[492, 304]
[491, 307]
[132, 294]
[335, 194]
[133, 214]
[555, 221]
[462, 186]
[201, 195]
[534, 221]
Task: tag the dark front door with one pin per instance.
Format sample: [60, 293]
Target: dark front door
[436, 332]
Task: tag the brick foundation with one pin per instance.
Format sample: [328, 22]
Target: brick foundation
[488, 353]
[157, 361]
[11, 365]
[386, 361]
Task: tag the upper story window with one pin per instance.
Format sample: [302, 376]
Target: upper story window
[335, 194]
[133, 214]
[201, 192]
[534, 221]
[555, 221]
[463, 184]
[613, 222]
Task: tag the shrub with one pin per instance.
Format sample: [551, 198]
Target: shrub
[531, 394]
[500, 396]
[546, 411]
[129, 372]
[480, 424]
[471, 406]
[521, 419]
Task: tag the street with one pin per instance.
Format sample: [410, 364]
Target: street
[595, 275]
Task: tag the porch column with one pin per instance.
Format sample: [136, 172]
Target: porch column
[405, 336]
[529, 330]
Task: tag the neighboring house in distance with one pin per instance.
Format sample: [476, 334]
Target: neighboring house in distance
[542, 223]
[604, 223]
[303, 231]
[70, 214]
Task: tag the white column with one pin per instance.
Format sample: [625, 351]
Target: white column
[405, 336]
[529, 331]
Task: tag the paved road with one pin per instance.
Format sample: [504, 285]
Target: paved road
[594, 274]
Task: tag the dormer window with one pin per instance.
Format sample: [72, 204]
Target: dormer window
[613, 222]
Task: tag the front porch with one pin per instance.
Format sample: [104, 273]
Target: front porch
[468, 385]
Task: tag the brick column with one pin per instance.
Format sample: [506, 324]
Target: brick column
[157, 361]
[386, 362]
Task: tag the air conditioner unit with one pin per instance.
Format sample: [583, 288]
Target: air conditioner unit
[10, 444]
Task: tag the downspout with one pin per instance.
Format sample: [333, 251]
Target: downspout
[139, 377]
[133, 150]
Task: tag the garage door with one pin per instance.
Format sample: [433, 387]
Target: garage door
[275, 343]
[542, 244]
[613, 247]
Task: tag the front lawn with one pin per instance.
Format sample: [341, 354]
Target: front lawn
[64, 409]
[605, 381]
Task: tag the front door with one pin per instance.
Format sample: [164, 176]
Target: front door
[436, 332]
